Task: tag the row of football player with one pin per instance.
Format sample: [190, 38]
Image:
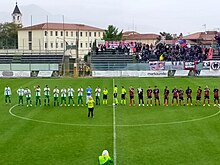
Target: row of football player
[178, 96]
[63, 93]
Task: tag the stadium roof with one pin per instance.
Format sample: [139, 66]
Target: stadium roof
[16, 10]
[209, 35]
[62, 26]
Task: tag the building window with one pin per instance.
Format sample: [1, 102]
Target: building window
[77, 35]
[86, 34]
[61, 33]
[51, 44]
[45, 33]
[56, 45]
[86, 45]
[30, 46]
[90, 44]
[29, 36]
[45, 45]
[67, 33]
[51, 33]
[99, 34]
[90, 34]
[94, 34]
[18, 18]
[81, 45]
[61, 45]
[56, 33]
[81, 34]
[71, 34]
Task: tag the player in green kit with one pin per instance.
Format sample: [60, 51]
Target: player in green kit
[80, 96]
[27, 93]
[105, 96]
[20, 93]
[7, 94]
[70, 92]
[56, 96]
[38, 94]
[46, 95]
[63, 97]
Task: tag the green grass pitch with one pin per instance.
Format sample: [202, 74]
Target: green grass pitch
[157, 135]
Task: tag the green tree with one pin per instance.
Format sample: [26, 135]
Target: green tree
[9, 35]
[112, 34]
[164, 36]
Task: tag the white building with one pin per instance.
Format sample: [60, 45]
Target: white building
[52, 37]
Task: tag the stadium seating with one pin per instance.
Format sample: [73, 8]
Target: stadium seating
[31, 59]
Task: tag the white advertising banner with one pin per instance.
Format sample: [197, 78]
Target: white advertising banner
[181, 73]
[189, 65]
[144, 73]
[45, 74]
[15, 74]
[130, 73]
[209, 73]
[106, 73]
[214, 66]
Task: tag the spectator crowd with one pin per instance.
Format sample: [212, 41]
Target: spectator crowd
[161, 51]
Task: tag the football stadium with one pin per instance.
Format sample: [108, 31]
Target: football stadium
[70, 97]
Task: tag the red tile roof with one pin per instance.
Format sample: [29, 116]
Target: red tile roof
[141, 37]
[61, 26]
[209, 35]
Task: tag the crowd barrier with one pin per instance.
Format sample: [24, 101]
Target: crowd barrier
[166, 69]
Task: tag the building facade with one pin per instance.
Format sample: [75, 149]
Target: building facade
[75, 40]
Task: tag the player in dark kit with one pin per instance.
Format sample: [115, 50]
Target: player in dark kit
[156, 95]
[175, 95]
[140, 92]
[149, 96]
[166, 96]
[181, 99]
[198, 95]
[189, 96]
[206, 95]
[131, 92]
[216, 96]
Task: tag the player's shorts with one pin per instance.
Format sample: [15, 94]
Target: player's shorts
[63, 98]
[80, 97]
[56, 98]
[189, 97]
[28, 98]
[175, 97]
[180, 98]
[206, 97]
[156, 98]
[70, 97]
[216, 98]
[105, 97]
[198, 98]
[140, 97]
[131, 97]
[46, 96]
[115, 95]
[123, 96]
[37, 97]
[149, 97]
[166, 97]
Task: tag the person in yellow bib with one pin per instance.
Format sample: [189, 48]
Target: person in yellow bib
[105, 159]
[91, 104]
[123, 95]
[115, 93]
[105, 96]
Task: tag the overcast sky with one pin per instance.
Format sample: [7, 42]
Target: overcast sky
[144, 16]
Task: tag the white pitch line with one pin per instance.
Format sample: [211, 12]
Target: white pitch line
[114, 129]
[51, 122]
[120, 125]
